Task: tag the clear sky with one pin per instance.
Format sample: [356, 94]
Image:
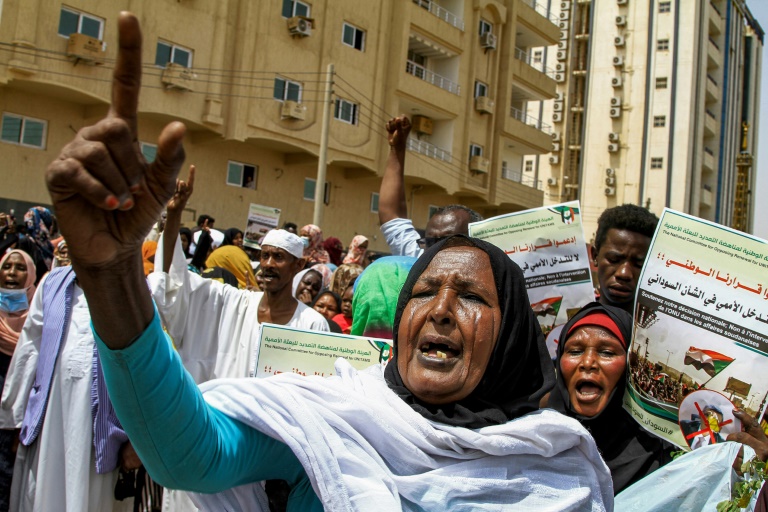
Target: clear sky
[759, 9]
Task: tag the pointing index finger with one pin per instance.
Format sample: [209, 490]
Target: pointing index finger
[126, 78]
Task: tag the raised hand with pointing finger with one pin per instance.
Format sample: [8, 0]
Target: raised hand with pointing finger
[107, 197]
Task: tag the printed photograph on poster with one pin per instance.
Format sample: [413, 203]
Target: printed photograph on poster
[706, 417]
[701, 323]
[284, 349]
[261, 219]
[548, 245]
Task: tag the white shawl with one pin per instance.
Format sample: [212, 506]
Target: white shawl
[365, 449]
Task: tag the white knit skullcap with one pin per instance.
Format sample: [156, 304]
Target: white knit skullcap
[285, 240]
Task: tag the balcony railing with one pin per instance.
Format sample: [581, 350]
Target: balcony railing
[520, 54]
[530, 120]
[441, 13]
[543, 10]
[517, 176]
[427, 149]
[429, 76]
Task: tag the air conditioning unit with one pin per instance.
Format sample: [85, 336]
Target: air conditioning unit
[617, 81]
[484, 105]
[557, 106]
[562, 45]
[613, 137]
[556, 137]
[618, 41]
[610, 181]
[618, 61]
[176, 76]
[556, 147]
[293, 110]
[557, 117]
[300, 26]
[615, 101]
[559, 96]
[560, 67]
[562, 55]
[613, 148]
[559, 77]
[621, 21]
[488, 41]
[563, 35]
[563, 24]
[610, 172]
[615, 112]
[422, 125]
[564, 15]
[479, 164]
[622, 2]
[83, 48]
[552, 182]
[565, 5]
[610, 191]
[554, 159]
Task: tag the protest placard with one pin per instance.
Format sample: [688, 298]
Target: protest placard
[701, 322]
[287, 350]
[548, 244]
[260, 220]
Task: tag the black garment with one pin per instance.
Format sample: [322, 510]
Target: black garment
[630, 451]
[519, 372]
[229, 236]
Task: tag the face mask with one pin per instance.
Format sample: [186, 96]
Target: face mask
[13, 301]
[305, 241]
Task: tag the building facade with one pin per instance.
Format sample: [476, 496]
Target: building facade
[657, 105]
[249, 80]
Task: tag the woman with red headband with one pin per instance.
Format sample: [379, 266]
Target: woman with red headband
[592, 364]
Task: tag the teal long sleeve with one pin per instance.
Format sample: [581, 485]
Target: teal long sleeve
[182, 441]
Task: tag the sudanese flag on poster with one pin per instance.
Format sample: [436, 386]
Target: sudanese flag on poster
[708, 360]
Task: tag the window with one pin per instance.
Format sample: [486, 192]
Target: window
[529, 166]
[481, 89]
[242, 175]
[287, 90]
[149, 151]
[353, 36]
[661, 83]
[537, 56]
[309, 191]
[169, 52]
[659, 121]
[293, 8]
[374, 202]
[475, 150]
[657, 163]
[485, 27]
[346, 111]
[662, 44]
[24, 131]
[665, 6]
[71, 22]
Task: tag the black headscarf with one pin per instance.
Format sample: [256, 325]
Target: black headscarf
[628, 449]
[519, 372]
[230, 235]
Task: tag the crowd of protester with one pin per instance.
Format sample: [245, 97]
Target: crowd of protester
[125, 362]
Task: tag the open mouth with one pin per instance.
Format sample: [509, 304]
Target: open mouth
[439, 350]
[11, 284]
[588, 391]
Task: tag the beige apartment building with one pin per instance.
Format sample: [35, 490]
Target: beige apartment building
[249, 80]
[657, 104]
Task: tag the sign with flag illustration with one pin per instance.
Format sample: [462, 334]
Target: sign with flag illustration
[701, 322]
[549, 246]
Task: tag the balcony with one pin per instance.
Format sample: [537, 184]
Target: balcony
[517, 176]
[532, 80]
[709, 160]
[710, 124]
[431, 77]
[713, 89]
[518, 193]
[441, 13]
[536, 25]
[713, 54]
[705, 198]
[425, 148]
[715, 20]
[531, 135]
